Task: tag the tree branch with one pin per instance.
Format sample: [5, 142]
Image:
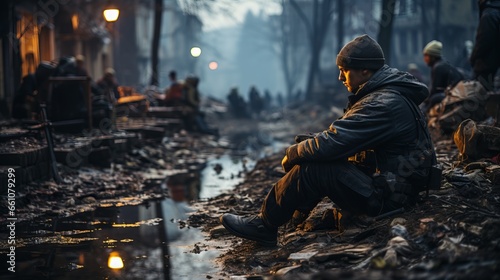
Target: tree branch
[302, 17]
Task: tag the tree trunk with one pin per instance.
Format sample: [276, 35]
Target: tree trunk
[385, 30]
[285, 50]
[437, 20]
[156, 41]
[340, 24]
[313, 63]
[320, 23]
[425, 23]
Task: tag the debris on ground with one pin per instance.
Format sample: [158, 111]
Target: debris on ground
[451, 233]
[448, 234]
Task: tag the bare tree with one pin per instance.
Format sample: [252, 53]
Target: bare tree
[437, 20]
[424, 20]
[289, 52]
[197, 7]
[340, 24]
[192, 8]
[158, 14]
[385, 31]
[316, 29]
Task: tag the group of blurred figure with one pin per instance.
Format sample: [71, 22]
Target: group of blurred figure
[185, 95]
[65, 98]
[256, 105]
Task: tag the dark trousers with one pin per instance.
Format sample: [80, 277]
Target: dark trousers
[303, 187]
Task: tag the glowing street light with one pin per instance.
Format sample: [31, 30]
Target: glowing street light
[115, 261]
[195, 51]
[111, 14]
[213, 65]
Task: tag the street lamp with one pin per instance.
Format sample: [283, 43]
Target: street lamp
[115, 261]
[111, 13]
[195, 51]
[213, 65]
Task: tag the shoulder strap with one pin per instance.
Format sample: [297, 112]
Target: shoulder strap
[420, 119]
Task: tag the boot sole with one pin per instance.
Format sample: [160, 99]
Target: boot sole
[263, 242]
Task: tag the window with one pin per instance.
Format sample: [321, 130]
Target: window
[402, 7]
[413, 7]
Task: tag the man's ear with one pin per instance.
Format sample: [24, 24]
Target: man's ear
[367, 73]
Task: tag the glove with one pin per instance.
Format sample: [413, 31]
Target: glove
[301, 137]
[287, 166]
[291, 158]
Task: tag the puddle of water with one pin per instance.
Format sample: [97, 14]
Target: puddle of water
[223, 174]
[80, 246]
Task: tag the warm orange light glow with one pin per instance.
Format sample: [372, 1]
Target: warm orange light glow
[213, 65]
[111, 14]
[75, 21]
[115, 261]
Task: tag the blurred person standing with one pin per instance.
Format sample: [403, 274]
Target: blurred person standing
[194, 117]
[80, 66]
[255, 100]
[463, 61]
[173, 94]
[109, 85]
[485, 57]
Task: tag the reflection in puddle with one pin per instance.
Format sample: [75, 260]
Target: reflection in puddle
[95, 249]
[146, 241]
[222, 174]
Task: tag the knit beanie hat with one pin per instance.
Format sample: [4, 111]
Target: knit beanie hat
[433, 48]
[361, 53]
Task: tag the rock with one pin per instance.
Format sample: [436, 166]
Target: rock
[302, 256]
[89, 200]
[70, 202]
[398, 221]
[218, 168]
[218, 231]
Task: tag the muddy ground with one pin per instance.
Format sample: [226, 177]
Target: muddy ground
[452, 233]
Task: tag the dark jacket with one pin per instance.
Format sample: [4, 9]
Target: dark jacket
[485, 57]
[109, 86]
[443, 74]
[378, 118]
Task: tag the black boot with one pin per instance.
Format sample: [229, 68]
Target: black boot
[252, 228]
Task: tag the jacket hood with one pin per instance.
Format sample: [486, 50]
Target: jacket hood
[391, 78]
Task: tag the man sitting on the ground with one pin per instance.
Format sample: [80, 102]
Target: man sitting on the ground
[382, 117]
